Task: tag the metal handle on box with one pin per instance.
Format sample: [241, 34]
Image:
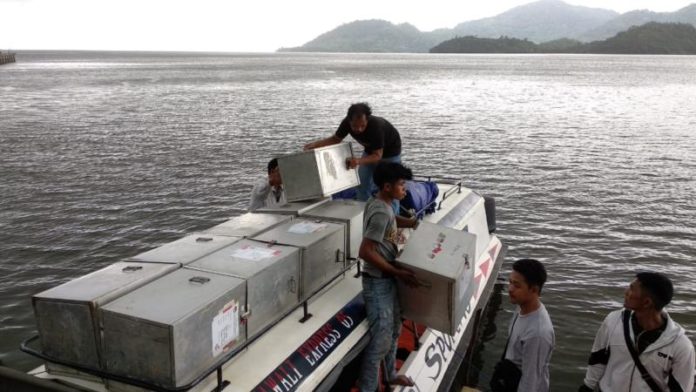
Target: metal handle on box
[292, 285]
[199, 280]
[246, 314]
[340, 256]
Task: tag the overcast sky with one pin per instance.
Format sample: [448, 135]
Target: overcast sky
[234, 25]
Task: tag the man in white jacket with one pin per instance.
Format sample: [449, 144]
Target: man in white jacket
[661, 346]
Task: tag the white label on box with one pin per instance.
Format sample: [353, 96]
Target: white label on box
[254, 253]
[225, 328]
[306, 227]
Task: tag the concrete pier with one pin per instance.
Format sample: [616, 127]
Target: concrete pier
[7, 58]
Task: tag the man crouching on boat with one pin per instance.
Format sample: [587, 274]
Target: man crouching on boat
[378, 249]
[268, 191]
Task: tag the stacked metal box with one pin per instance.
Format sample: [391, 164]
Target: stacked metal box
[443, 260]
[173, 329]
[317, 173]
[348, 212]
[271, 272]
[67, 315]
[186, 249]
[293, 208]
[248, 224]
[322, 245]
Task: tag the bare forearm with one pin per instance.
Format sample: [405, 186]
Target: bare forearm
[406, 222]
[370, 255]
[370, 159]
[323, 142]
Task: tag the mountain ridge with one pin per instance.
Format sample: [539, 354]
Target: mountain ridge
[539, 21]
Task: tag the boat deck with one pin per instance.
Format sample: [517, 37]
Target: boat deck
[299, 356]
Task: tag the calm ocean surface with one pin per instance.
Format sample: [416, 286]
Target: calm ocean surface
[591, 159]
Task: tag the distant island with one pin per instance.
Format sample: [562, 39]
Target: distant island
[650, 38]
[547, 23]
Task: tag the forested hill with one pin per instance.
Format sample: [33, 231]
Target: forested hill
[372, 36]
[650, 38]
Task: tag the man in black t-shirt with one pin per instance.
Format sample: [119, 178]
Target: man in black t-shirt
[380, 139]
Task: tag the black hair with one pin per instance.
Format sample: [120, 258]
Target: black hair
[358, 109]
[532, 270]
[272, 165]
[657, 286]
[390, 172]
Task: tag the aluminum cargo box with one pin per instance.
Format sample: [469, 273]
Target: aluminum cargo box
[186, 249]
[272, 273]
[247, 225]
[317, 173]
[173, 329]
[349, 212]
[323, 249]
[67, 317]
[443, 260]
[294, 209]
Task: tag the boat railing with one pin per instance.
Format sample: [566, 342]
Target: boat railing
[457, 188]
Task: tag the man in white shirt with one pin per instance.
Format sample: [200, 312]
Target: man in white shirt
[268, 191]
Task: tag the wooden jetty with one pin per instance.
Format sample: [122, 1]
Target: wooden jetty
[7, 57]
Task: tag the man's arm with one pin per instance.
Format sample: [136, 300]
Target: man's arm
[368, 252]
[598, 358]
[333, 139]
[259, 194]
[682, 372]
[535, 352]
[374, 157]
[406, 222]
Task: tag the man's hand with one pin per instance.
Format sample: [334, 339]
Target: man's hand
[308, 146]
[352, 163]
[412, 222]
[408, 276]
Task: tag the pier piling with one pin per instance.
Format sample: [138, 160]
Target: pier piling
[7, 58]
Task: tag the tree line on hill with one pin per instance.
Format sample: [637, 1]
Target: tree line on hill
[650, 38]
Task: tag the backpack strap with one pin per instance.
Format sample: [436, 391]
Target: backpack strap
[509, 336]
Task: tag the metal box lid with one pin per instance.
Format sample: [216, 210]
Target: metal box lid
[337, 209]
[318, 172]
[293, 208]
[440, 250]
[300, 232]
[174, 296]
[248, 224]
[245, 258]
[107, 283]
[186, 249]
